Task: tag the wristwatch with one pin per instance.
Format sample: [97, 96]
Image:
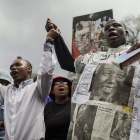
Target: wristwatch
[50, 40]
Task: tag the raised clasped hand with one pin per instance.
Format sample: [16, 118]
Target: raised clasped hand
[49, 25]
[52, 33]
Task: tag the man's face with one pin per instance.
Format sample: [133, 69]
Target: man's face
[115, 34]
[108, 80]
[20, 71]
[4, 82]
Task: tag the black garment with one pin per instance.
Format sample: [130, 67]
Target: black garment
[64, 57]
[57, 119]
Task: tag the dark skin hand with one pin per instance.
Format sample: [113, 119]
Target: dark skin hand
[52, 33]
[49, 25]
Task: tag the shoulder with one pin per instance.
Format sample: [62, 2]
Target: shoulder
[68, 104]
[49, 105]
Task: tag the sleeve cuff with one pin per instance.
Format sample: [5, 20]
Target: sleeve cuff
[48, 47]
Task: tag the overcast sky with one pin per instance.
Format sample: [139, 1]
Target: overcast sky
[22, 24]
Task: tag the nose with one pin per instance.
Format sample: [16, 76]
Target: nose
[61, 84]
[13, 68]
[112, 79]
[111, 28]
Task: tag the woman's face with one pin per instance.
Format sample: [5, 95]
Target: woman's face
[60, 90]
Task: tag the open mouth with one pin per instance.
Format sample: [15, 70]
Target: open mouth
[112, 36]
[61, 90]
[14, 74]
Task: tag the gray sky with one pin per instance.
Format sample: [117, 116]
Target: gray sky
[22, 24]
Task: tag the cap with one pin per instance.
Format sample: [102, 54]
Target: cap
[4, 74]
[51, 95]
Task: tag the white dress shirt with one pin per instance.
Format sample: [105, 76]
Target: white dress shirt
[24, 106]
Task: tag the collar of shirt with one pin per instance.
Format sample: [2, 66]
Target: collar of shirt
[24, 83]
[117, 51]
[121, 48]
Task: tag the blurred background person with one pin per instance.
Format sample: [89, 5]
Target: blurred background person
[57, 112]
[5, 79]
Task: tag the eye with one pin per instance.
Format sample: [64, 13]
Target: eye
[57, 83]
[107, 73]
[18, 64]
[65, 83]
[120, 75]
[106, 28]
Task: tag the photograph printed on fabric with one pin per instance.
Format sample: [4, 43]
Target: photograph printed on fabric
[101, 121]
[121, 126]
[84, 122]
[111, 84]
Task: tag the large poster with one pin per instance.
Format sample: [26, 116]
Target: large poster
[88, 33]
[108, 112]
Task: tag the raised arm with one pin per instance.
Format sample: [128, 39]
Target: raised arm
[64, 57]
[45, 73]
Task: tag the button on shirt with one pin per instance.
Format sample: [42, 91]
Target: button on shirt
[24, 106]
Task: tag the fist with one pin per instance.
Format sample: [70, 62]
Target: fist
[49, 25]
[52, 34]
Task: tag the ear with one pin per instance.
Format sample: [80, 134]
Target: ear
[126, 33]
[29, 69]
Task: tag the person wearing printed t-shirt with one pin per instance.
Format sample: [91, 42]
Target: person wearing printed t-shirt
[111, 85]
[24, 101]
[57, 112]
[5, 79]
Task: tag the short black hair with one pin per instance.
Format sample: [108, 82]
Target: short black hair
[120, 22]
[28, 63]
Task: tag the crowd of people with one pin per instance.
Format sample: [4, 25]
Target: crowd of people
[25, 113]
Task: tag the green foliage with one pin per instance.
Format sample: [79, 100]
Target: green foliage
[34, 76]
